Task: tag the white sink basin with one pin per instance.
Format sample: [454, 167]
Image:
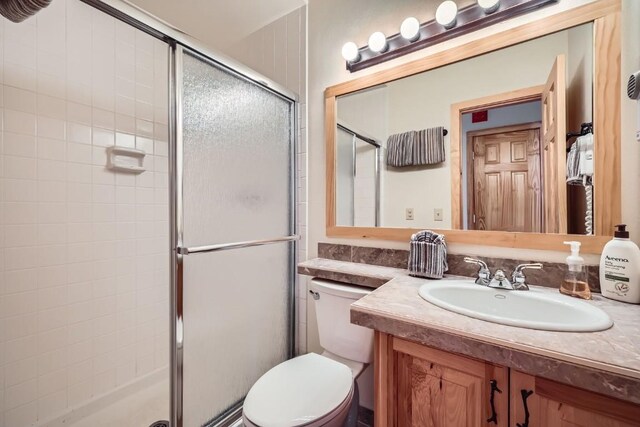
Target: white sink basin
[533, 309]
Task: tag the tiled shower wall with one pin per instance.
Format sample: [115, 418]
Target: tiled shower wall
[84, 251]
[278, 51]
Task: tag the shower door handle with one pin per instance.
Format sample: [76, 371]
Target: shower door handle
[237, 245]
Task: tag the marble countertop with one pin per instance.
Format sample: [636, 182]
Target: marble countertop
[372, 276]
[607, 362]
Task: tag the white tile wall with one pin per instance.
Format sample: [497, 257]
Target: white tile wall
[84, 280]
[278, 51]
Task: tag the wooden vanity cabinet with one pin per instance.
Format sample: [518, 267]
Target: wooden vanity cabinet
[421, 386]
[551, 404]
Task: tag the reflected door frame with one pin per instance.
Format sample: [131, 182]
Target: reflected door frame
[505, 99]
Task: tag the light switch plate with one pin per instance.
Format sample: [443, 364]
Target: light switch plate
[437, 214]
[409, 214]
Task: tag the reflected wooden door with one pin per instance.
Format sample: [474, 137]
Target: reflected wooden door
[554, 119]
[507, 179]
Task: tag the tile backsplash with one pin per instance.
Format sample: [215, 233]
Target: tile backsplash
[84, 280]
[551, 276]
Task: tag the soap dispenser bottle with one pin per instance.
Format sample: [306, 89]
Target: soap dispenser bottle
[620, 268]
[575, 282]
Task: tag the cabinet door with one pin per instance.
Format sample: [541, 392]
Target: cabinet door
[550, 404]
[433, 388]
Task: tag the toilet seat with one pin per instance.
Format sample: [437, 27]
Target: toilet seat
[308, 390]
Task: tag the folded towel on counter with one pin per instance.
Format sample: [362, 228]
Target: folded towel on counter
[428, 255]
[19, 10]
[416, 148]
[428, 146]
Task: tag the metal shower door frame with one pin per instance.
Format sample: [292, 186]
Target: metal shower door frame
[177, 41]
[179, 251]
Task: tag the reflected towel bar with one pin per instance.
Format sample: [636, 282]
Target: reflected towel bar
[237, 245]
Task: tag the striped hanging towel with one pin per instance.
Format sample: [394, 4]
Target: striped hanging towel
[400, 149]
[428, 146]
[19, 10]
[428, 255]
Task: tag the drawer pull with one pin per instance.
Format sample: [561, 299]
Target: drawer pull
[494, 415]
[525, 395]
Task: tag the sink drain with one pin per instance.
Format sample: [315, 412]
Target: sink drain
[162, 423]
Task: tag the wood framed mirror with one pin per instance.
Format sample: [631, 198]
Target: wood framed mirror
[500, 182]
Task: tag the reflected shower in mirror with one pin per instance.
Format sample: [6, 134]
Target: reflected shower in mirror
[507, 163]
[358, 178]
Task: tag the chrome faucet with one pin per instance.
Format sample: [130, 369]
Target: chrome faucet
[499, 280]
[484, 274]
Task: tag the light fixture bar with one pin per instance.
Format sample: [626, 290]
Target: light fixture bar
[470, 18]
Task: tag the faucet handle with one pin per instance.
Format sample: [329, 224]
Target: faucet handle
[483, 273]
[518, 278]
[532, 266]
[478, 262]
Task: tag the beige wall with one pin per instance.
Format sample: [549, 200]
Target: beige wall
[331, 23]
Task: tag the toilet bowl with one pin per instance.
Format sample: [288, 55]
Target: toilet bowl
[309, 390]
[312, 389]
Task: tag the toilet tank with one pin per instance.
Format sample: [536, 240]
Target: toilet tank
[337, 334]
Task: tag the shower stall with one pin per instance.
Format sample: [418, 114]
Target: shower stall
[148, 218]
[358, 175]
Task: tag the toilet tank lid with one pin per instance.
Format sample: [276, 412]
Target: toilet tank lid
[298, 391]
[339, 289]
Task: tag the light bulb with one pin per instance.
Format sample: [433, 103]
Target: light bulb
[350, 52]
[489, 6]
[410, 29]
[378, 42]
[446, 14]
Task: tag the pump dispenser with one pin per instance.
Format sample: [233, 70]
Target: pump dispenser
[620, 268]
[575, 280]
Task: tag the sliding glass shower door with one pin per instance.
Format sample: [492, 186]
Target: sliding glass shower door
[234, 236]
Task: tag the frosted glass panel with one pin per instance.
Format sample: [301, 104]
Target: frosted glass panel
[344, 178]
[236, 327]
[364, 185]
[237, 148]
[357, 181]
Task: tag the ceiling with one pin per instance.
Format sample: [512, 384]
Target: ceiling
[219, 23]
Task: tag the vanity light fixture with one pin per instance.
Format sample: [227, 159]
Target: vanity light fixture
[350, 52]
[448, 24]
[410, 29]
[447, 13]
[378, 42]
[489, 6]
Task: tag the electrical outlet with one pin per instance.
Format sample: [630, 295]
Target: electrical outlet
[409, 214]
[437, 214]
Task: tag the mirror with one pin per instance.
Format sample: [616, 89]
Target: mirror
[512, 177]
[479, 144]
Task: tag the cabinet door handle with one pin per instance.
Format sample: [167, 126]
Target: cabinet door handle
[494, 415]
[525, 395]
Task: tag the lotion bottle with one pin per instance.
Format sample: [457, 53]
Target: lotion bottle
[575, 280]
[620, 268]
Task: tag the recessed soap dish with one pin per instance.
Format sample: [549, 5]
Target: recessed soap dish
[123, 159]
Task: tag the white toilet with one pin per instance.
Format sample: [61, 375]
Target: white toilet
[316, 390]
